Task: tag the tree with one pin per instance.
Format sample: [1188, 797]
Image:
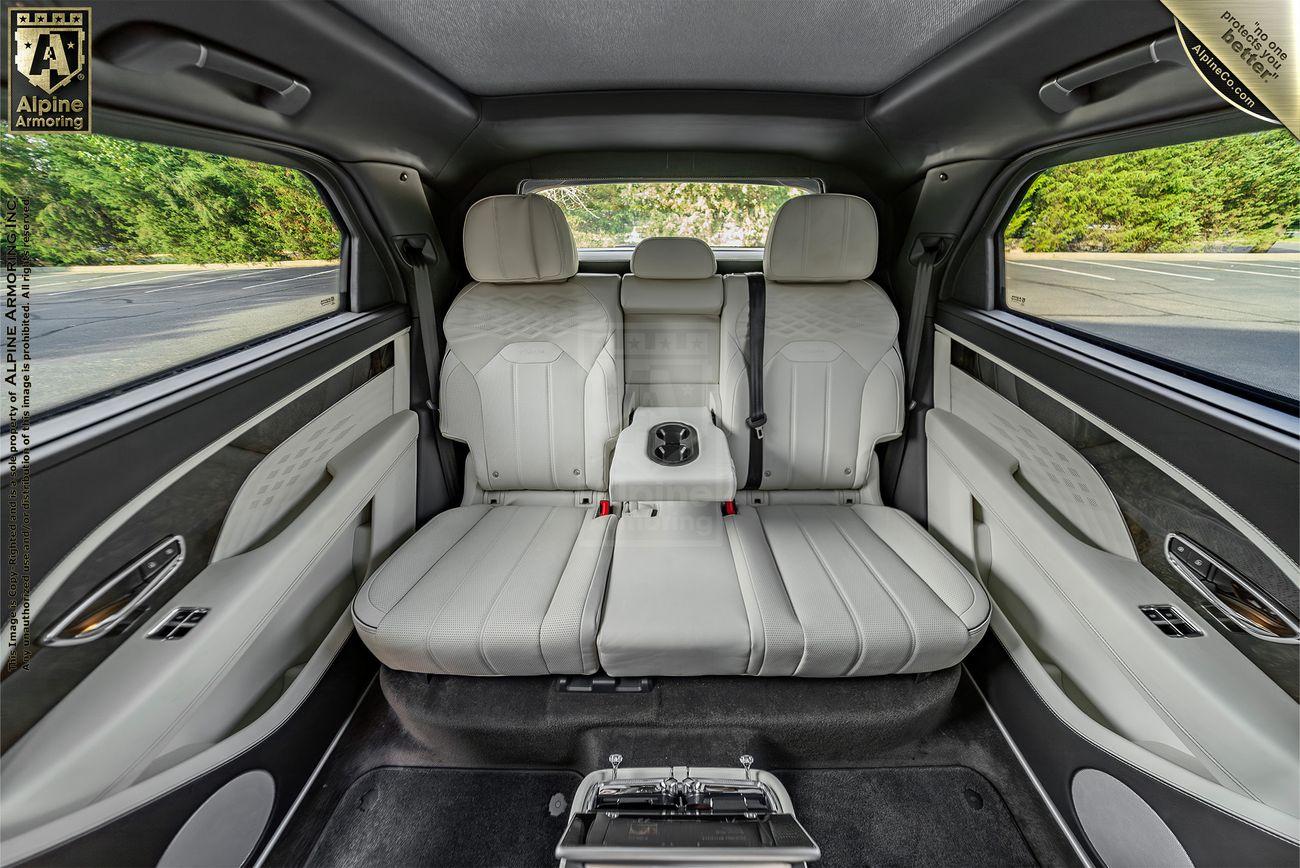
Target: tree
[102, 200]
[1238, 192]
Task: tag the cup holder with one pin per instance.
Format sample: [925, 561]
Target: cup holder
[673, 444]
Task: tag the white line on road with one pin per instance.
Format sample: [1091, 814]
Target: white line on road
[1147, 270]
[211, 280]
[287, 279]
[1228, 270]
[129, 282]
[1062, 270]
[1271, 265]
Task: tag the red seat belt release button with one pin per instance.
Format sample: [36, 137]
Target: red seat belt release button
[728, 507]
[603, 508]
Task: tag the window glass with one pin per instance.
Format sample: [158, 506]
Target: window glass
[147, 258]
[1189, 252]
[719, 214]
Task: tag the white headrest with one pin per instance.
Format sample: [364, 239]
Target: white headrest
[518, 239]
[822, 237]
[673, 259]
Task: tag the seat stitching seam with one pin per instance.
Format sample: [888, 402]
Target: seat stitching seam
[834, 581]
[423, 575]
[551, 603]
[880, 580]
[803, 656]
[974, 588]
[758, 603]
[505, 581]
[432, 622]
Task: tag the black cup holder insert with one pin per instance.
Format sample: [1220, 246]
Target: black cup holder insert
[673, 444]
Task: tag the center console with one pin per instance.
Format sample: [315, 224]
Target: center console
[681, 815]
[672, 454]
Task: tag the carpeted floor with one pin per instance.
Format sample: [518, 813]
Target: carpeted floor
[904, 817]
[882, 772]
[454, 817]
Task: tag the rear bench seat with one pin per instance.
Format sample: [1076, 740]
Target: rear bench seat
[811, 577]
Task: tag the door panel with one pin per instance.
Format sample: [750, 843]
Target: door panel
[282, 518]
[1034, 495]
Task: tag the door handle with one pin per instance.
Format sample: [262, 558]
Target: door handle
[1245, 603]
[116, 599]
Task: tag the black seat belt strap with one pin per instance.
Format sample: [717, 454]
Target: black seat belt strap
[757, 418]
[929, 254]
[916, 320]
[419, 258]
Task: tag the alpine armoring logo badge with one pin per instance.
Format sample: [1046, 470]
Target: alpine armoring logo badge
[49, 91]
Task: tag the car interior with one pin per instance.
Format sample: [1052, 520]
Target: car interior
[818, 545]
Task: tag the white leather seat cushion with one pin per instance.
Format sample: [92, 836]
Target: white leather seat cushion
[872, 591]
[811, 591]
[491, 590]
[683, 600]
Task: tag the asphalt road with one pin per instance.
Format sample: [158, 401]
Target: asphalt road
[96, 330]
[1234, 315]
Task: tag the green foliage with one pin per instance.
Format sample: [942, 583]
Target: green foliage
[619, 215]
[1235, 193]
[100, 200]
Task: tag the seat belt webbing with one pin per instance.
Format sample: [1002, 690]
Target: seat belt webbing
[916, 320]
[757, 418]
[432, 361]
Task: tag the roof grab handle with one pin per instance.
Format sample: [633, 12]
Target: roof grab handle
[1069, 90]
[151, 49]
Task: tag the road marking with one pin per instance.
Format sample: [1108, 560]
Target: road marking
[128, 283]
[249, 273]
[1147, 270]
[1062, 270]
[1271, 265]
[91, 279]
[287, 279]
[1229, 271]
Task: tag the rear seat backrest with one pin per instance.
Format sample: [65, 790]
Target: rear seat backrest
[532, 379]
[832, 373]
[671, 302]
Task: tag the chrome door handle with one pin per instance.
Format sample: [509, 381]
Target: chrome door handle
[117, 598]
[1232, 594]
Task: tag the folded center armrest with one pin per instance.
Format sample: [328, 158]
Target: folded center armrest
[672, 454]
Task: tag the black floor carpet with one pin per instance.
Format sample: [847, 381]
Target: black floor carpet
[903, 817]
[447, 817]
[879, 770]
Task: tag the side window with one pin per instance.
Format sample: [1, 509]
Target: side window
[145, 258]
[1188, 253]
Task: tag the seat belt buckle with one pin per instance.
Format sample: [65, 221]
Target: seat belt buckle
[756, 424]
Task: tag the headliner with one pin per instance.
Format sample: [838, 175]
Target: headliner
[500, 47]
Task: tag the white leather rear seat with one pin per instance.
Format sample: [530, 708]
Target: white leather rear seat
[512, 583]
[872, 592]
[671, 302]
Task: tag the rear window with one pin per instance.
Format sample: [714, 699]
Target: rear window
[146, 258]
[604, 216]
[1188, 253]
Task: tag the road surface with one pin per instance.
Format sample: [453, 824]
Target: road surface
[97, 329]
[1236, 315]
